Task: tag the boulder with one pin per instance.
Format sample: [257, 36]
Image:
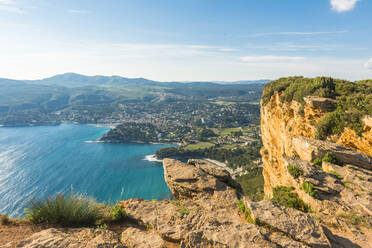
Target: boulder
[300, 226]
[309, 149]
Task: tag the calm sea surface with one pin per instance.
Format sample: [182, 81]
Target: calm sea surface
[36, 162]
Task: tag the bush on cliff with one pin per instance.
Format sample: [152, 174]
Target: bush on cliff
[285, 197]
[118, 213]
[64, 210]
[353, 100]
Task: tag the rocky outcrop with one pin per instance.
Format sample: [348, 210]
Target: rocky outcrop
[339, 192]
[208, 211]
[300, 226]
[58, 238]
[205, 213]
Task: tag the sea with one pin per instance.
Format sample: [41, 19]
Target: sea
[37, 162]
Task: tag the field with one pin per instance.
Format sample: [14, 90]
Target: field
[200, 145]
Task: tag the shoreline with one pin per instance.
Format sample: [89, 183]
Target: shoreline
[152, 158]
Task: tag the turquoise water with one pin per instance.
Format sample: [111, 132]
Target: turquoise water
[40, 161]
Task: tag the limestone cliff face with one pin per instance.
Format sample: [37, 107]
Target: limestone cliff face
[282, 121]
[343, 189]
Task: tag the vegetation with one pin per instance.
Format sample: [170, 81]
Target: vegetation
[285, 197]
[234, 158]
[64, 210]
[294, 171]
[328, 157]
[318, 162]
[353, 100]
[354, 219]
[77, 98]
[118, 213]
[336, 175]
[4, 219]
[199, 145]
[252, 184]
[245, 210]
[310, 189]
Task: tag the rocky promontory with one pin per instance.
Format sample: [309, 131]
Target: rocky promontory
[208, 211]
[317, 167]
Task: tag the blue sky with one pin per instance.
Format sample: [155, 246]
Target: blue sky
[183, 40]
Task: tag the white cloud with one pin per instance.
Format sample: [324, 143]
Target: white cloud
[368, 64]
[269, 58]
[297, 33]
[78, 11]
[343, 5]
[10, 6]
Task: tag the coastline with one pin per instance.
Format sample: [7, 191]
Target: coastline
[152, 158]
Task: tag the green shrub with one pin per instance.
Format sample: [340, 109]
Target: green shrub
[310, 189]
[294, 171]
[353, 100]
[4, 219]
[244, 210]
[336, 175]
[183, 210]
[64, 210]
[354, 219]
[285, 197]
[318, 162]
[252, 184]
[330, 158]
[118, 213]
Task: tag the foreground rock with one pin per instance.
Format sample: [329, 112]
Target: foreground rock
[300, 226]
[57, 238]
[205, 213]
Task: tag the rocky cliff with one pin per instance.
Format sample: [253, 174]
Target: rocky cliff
[208, 211]
[332, 176]
[318, 192]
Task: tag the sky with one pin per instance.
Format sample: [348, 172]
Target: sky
[186, 40]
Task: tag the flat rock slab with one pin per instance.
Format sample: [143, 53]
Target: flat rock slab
[71, 238]
[239, 236]
[136, 238]
[298, 225]
[309, 149]
[188, 181]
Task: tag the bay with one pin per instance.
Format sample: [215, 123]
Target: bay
[36, 162]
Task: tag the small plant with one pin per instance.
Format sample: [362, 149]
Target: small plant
[148, 226]
[246, 211]
[330, 158]
[154, 200]
[318, 162]
[310, 189]
[294, 171]
[118, 213]
[353, 219]
[360, 178]
[183, 210]
[336, 175]
[4, 219]
[64, 210]
[285, 197]
[102, 227]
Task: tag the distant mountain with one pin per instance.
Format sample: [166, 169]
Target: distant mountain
[72, 80]
[78, 80]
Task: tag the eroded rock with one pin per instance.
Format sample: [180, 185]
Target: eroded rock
[71, 238]
[300, 226]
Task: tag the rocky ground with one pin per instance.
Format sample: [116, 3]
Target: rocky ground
[208, 211]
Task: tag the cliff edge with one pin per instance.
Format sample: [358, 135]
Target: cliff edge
[326, 162]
